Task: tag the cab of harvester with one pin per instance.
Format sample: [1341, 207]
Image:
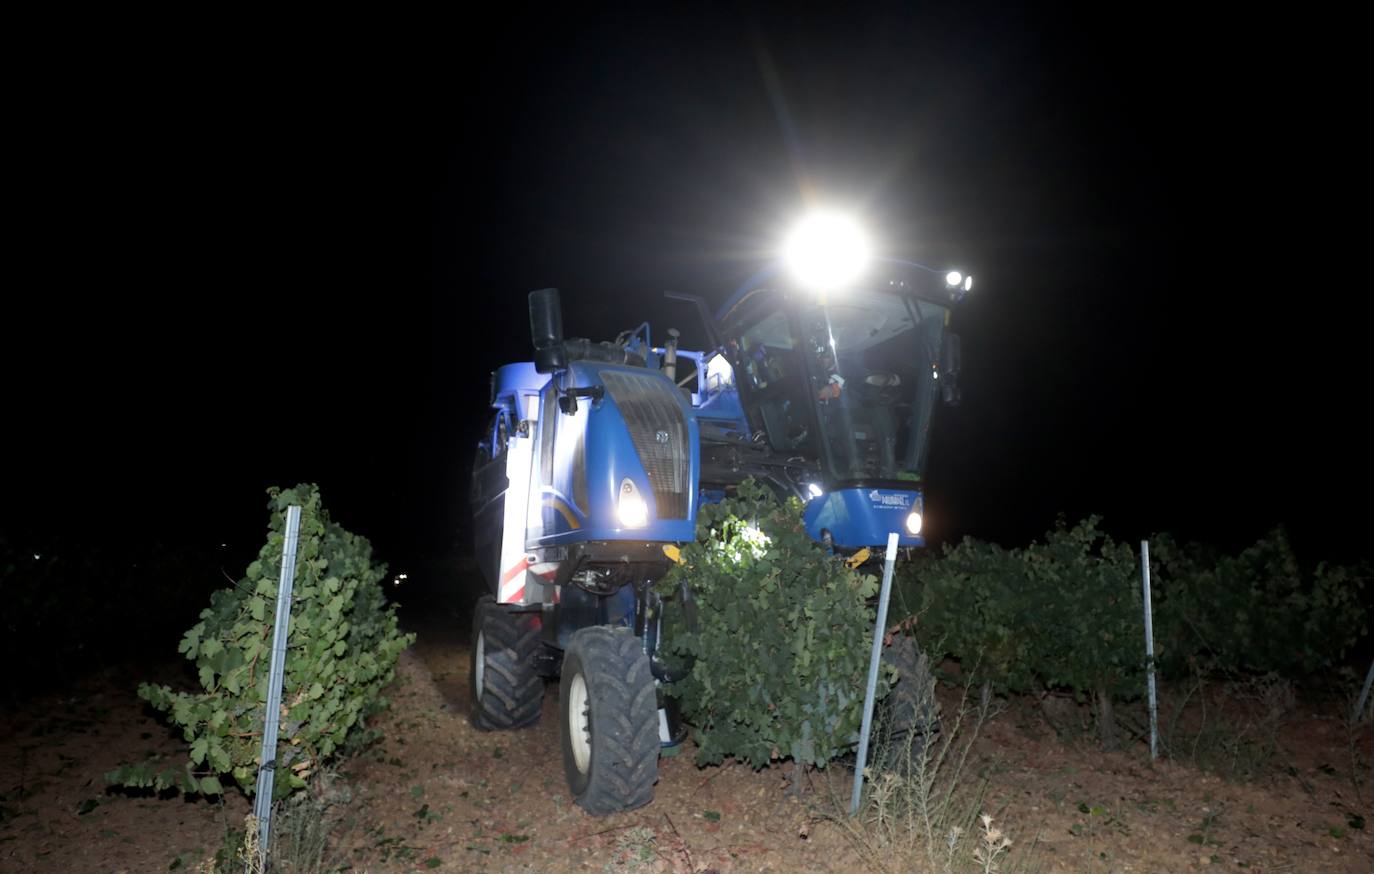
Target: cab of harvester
[836, 394]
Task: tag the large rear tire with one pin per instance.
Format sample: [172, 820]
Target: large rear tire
[909, 717]
[609, 711]
[507, 691]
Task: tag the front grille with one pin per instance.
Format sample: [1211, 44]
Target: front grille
[650, 408]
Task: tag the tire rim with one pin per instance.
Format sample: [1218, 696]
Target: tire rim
[479, 664]
[579, 724]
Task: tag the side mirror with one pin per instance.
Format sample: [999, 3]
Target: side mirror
[546, 331]
[951, 362]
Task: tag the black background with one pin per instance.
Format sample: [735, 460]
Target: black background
[260, 254]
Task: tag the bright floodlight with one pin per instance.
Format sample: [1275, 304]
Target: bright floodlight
[954, 277]
[826, 251]
[968, 283]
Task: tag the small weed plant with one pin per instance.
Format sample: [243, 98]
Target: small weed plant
[636, 849]
[308, 832]
[1227, 727]
[924, 810]
[237, 853]
[308, 827]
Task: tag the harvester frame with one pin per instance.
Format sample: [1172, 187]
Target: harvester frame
[598, 455]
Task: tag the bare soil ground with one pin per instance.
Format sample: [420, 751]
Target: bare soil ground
[437, 794]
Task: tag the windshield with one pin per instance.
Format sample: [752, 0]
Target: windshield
[851, 383]
[874, 368]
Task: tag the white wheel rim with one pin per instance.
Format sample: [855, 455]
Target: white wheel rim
[579, 724]
[479, 662]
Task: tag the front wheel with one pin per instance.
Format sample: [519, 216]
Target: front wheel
[507, 691]
[609, 711]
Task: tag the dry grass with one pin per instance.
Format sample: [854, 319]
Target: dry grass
[924, 812]
[239, 853]
[304, 836]
[1229, 728]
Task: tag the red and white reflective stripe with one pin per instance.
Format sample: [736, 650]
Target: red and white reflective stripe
[514, 560]
[512, 588]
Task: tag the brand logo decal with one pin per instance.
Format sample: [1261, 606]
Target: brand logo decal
[661, 436]
[897, 501]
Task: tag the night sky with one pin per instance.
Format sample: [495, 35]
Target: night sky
[298, 258]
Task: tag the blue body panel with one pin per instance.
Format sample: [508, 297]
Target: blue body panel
[520, 377]
[863, 517]
[599, 430]
[509, 384]
[715, 399]
[724, 409]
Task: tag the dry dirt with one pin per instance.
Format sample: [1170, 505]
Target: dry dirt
[437, 794]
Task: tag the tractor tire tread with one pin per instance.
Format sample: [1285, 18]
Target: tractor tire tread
[910, 715]
[513, 692]
[625, 741]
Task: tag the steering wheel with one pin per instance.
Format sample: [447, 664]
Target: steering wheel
[882, 386]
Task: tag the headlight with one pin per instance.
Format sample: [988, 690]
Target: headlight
[913, 523]
[630, 508]
[826, 251]
[813, 490]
